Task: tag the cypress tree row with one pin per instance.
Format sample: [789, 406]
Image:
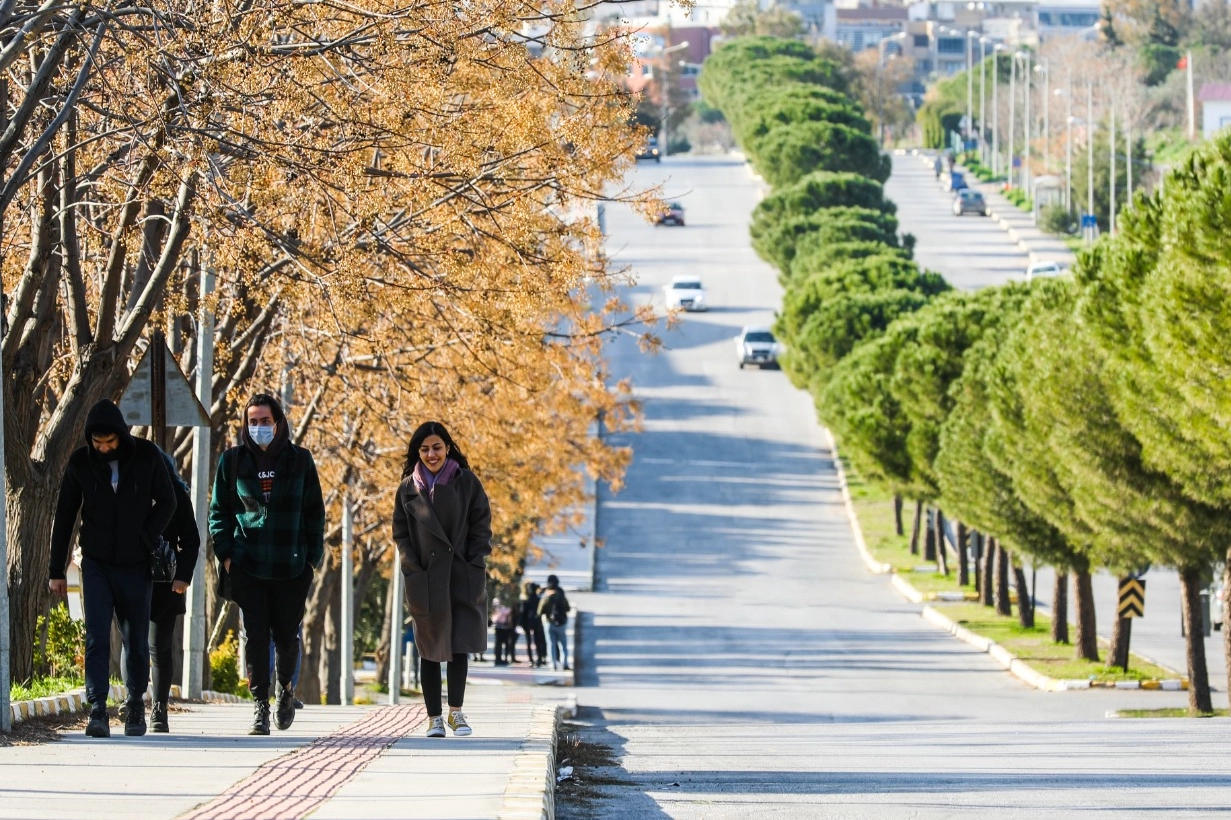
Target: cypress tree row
[1081, 423]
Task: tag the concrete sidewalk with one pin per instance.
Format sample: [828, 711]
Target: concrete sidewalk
[335, 762]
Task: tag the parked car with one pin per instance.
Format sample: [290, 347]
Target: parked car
[686, 293]
[673, 214]
[650, 151]
[756, 344]
[953, 181]
[969, 201]
[1045, 268]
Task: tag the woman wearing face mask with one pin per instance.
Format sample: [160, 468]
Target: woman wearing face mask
[442, 526]
[267, 519]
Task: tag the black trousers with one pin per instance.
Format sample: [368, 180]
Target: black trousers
[429, 680]
[271, 609]
[125, 593]
[506, 644]
[162, 638]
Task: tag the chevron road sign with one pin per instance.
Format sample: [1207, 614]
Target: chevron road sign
[1132, 598]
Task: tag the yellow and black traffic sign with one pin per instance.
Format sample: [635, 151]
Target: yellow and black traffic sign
[1132, 598]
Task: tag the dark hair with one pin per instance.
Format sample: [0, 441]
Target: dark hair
[553, 582]
[431, 428]
[266, 400]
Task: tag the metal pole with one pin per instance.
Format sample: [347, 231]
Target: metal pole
[1111, 144]
[395, 635]
[1046, 116]
[970, 87]
[195, 645]
[1027, 78]
[1068, 150]
[982, 97]
[995, 112]
[1128, 163]
[1090, 155]
[347, 648]
[1192, 116]
[1012, 112]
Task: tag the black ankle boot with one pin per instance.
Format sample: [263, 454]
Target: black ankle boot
[134, 720]
[260, 718]
[285, 714]
[99, 725]
[158, 717]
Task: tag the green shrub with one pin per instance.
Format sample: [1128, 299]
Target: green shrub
[62, 653]
[1058, 219]
[224, 668]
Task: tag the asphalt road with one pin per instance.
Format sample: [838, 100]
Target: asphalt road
[738, 656]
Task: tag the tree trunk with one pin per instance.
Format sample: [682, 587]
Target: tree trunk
[1025, 602]
[1087, 622]
[914, 533]
[963, 558]
[333, 647]
[382, 648]
[942, 552]
[929, 538]
[897, 515]
[1060, 608]
[312, 664]
[1194, 637]
[1121, 637]
[976, 547]
[1003, 605]
[30, 508]
[989, 572]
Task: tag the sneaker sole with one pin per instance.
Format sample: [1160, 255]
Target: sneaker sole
[102, 733]
[131, 731]
[257, 733]
[161, 730]
[435, 734]
[461, 732]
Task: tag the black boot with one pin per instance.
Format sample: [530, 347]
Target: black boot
[285, 714]
[158, 717]
[99, 725]
[134, 721]
[260, 718]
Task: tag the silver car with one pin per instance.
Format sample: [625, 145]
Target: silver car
[756, 344]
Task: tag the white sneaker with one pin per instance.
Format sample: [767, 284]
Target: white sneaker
[436, 726]
[457, 722]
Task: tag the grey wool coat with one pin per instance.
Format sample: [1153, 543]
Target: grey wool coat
[443, 545]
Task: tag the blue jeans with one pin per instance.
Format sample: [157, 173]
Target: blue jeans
[124, 591]
[557, 638]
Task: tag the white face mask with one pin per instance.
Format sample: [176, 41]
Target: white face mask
[261, 436]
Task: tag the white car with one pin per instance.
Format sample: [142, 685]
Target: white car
[1043, 269]
[686, 293]
[756, 344]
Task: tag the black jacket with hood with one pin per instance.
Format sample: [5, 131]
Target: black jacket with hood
[118, 527]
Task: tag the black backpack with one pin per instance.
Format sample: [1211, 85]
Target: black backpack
[558, 611]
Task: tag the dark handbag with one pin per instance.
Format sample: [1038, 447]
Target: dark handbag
[162, 562]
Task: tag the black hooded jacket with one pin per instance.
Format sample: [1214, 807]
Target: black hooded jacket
[117, 527]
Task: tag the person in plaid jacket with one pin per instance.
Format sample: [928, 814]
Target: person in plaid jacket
[267, 519]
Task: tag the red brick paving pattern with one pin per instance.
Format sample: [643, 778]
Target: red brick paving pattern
[293, 785]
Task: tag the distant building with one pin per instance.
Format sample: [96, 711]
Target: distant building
[1215, 99]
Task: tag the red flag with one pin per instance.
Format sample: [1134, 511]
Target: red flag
[1183, 63]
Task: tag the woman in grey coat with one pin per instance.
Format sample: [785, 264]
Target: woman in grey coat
[442, 524]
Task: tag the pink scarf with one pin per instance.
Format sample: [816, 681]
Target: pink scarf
[425, 480]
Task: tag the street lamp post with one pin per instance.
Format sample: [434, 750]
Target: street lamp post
[1044, 70]
[1012, 114]
[1068, 147]
[996, 109]
[880, 65]
[665, 148]
[1090, 157]
[982, 97]
[970, 86]
[1026, 81]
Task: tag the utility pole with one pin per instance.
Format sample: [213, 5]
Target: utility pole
[395, 634]
[983, 98]
[1012, 112]
[1090, 158]
[1128, 163]
[1111, 143]
[1027, 79]
[347, 649]
[194, 621]
[1068, 150]
[970, 86]
[995, 111]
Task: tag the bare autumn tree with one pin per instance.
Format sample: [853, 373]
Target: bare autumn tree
[332, 163]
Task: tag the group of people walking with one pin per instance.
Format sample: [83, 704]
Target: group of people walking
[267, 522]
[541, 614]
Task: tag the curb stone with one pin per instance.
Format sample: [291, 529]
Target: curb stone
[74, 702]
[531, 791]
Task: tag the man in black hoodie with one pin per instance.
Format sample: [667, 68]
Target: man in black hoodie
[120, 488]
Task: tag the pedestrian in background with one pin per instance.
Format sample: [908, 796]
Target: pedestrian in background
[167, 600]
[119, 487]
[528, 620]
[442, 526]
[267, 518]
[506, 633]
[553, 612]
